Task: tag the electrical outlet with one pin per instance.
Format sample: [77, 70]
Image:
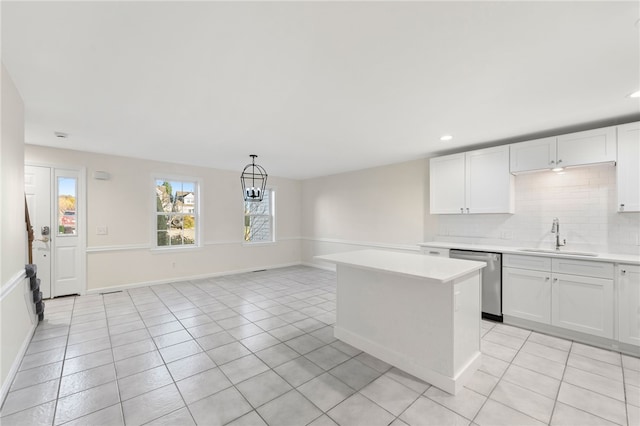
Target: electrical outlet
[102, 230]
[506, 235]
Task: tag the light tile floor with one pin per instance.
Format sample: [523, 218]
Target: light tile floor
[258, 348]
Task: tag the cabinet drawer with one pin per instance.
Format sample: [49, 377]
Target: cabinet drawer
[435, 251]
[537, 263]
[585, 268]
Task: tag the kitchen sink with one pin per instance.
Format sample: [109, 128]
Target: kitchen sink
[571, 253]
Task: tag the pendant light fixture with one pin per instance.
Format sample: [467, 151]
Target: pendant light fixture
[254, 180]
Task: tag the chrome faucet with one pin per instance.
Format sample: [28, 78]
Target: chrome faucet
[555, 229]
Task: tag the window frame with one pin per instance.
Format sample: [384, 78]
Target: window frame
[272, 215]
[197, 213]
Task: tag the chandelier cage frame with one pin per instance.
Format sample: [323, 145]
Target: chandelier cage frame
[253, 174]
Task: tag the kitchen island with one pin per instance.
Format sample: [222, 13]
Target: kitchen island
[418, 313]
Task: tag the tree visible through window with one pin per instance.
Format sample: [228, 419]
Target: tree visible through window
[258, 218]
[176, 212]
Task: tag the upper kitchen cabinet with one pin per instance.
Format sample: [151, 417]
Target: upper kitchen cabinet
[447, 184]
[471, 182]
[628, 169]
[588, 147]
[575, 149]
[539, 154]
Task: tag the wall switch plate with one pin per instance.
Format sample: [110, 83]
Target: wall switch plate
[102, 230]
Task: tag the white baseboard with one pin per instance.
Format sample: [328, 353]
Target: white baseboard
[122, 287]
[16, 363]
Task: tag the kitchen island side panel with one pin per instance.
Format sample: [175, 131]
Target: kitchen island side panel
[409, 322]
[467, 326]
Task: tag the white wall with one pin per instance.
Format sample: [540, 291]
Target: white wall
[387, 207]
[378, 207]
[17, 320]
[124, 204]
[583, 199]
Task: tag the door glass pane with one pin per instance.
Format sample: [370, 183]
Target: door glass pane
[67, 189]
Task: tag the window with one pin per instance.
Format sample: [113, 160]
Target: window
[67, 188]
[176, 207]
[259, 218]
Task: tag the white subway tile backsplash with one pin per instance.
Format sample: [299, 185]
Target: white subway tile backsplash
[584, 199]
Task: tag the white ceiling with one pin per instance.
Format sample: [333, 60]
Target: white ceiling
[316, 88]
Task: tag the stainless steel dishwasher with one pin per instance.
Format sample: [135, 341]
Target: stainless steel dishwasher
[491, 280]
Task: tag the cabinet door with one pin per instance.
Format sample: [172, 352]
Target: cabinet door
[526, 294]
[539, 154]
[489, 183]
[628, 168]
[446, 184]
[588, 147]
[629, 304]
[582, 304]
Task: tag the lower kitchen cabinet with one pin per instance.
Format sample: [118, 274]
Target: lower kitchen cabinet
[582, 300]
[526, 294]
[583, 304]
[629, 304]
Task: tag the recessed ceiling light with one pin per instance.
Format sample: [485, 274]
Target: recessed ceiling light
[635, 94]
[61, 135]
[446, 138]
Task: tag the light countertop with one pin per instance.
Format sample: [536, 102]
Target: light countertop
[601, 257]
[410, 264]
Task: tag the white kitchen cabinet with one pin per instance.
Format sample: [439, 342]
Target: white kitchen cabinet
[588, 147]
[447, 184]
[574, 149]
[539, 154]
[629, 304]
[628, 167]
[582, 304]
[527, 294]
[471, 182]
[489, 185]
[573, 294]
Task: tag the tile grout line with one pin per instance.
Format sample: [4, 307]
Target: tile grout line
[64, 361]
[300, 356]
[502, 377]
[270, 369]
[564, 371]
[251, 292]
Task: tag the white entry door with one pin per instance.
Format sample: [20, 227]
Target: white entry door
[37, 188]
[57, 198]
